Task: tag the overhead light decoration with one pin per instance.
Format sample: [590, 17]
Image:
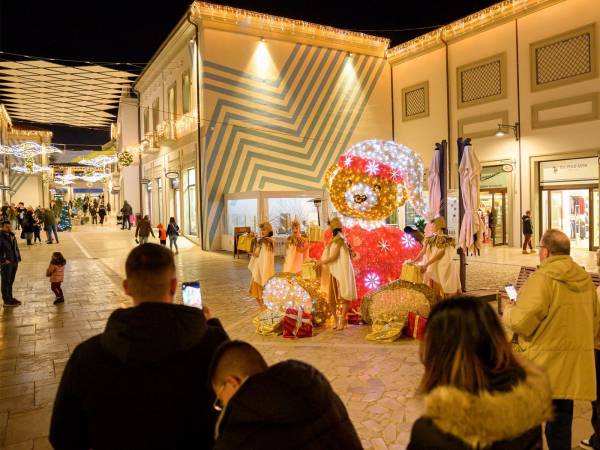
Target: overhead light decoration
[32, 168]
[99, 161]
[28, 150]
[94, 177]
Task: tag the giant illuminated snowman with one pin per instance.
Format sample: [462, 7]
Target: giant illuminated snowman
[368, 183]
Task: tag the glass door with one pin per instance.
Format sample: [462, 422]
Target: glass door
[493, 209]
[571, 210]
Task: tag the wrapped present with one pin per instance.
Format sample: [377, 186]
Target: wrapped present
[411, 273]
[246, 243]
[416, 325]
[297, 323]
[310, 270]
[385, 331]
[268, 323]
[315, 233]
[354, 317]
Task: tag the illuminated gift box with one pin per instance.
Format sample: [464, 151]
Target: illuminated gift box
[315, 233]
[297, 323]
[310, 271]
[412, 273]
[416, 326]
[246, 243]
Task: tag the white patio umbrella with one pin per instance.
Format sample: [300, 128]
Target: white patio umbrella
[435, 191]
[469, 173]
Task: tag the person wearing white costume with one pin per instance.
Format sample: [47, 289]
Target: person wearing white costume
[342, 283]
[440, 271]
[296, 250]
[262, 262]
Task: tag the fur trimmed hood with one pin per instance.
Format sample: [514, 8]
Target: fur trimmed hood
[480, 420]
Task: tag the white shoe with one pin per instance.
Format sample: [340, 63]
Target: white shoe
[585, 443]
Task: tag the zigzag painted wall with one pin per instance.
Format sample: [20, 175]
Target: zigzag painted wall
[278, 114]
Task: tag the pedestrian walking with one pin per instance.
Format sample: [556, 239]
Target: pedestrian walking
[554, 322]
[50, 225]
[459, 379]
[108, 208]
[12, 216]
[27, 225]
[56, 272]
[94, 214]
[101, 213]
[10, 256]
[38, 223]
[20, 214]
[295, 400]
[143, 230]
[173, 233]
[527, 232]
[126, 211]
[162, 234]
[143, 382]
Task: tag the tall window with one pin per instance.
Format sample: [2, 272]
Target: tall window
[172, 94]
[146, 120]
[186, 92]
[189, 198]
[159, 199]
[155, 114]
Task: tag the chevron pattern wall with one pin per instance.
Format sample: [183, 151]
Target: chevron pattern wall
[283, 133]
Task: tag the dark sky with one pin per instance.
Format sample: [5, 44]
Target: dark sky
[131, 31]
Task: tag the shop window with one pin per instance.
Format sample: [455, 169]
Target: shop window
[190, 202]
[242, 213]
[282, 212]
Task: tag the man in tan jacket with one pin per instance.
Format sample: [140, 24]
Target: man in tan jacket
[555, 319]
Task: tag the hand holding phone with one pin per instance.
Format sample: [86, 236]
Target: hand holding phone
[511, 291]
[191, 293]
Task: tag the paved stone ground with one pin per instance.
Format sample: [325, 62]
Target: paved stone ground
[376, 381]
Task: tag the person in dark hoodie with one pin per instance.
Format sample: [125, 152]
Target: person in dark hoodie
[478, 395]
[289, 405]
[142, 383]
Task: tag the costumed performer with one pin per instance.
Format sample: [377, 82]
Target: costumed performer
[440, 271]
[262, 262]
[337, 255]
[296, 250]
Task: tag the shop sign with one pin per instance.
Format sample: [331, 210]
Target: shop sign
[493, 177]
[569, 171]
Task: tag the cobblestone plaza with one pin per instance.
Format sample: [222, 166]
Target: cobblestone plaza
[376, 381]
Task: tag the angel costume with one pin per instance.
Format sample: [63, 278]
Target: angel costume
[442, 275]
[262, 266]
[342, 283]
[295, 254]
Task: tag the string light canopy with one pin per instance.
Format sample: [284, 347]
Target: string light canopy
[46, 92]
[28, 150]
[30, 168]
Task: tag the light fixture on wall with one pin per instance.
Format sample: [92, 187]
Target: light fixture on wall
[172, 175]
[504, 128]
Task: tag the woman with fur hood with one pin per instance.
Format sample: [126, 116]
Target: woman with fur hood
[477, 394]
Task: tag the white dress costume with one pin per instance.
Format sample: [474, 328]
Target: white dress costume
[344, 283]
[295, 254]
[262, 266]
[443, 272]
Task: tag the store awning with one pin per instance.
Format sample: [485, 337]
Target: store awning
[45, 92]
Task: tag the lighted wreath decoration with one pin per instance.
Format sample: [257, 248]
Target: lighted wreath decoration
[125, 158]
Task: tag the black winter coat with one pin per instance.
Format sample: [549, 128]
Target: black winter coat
[512, 420]
[289, 406]
[141, 384]
[527, 227]
[9, 249]
[27, 223]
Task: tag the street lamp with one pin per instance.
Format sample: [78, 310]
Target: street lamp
[503, 130]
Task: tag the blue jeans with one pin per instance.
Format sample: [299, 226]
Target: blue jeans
[143, 239]
[558, 431]
[173, 242]
[49, 230]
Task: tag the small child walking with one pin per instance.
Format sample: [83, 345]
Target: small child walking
[56, 272]
[162, 234]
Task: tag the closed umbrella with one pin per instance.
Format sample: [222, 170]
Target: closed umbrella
[435, 190]
[469, 173]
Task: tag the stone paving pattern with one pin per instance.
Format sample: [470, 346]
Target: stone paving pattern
[376, 381]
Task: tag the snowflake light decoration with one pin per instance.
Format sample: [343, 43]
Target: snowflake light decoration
[348, 161]
[384, 245]
[372, 281]
[372, 168]
[408, 241]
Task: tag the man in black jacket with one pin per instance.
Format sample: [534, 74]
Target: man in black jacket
[10, 257]
[289, 405]
[527, 232]
[142, 383]
[127, 211]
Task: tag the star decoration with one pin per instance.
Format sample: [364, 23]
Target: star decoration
[348, 161]
[395, 174]
[384, 245]
[408, 241]
[372, 281]
[372, 168]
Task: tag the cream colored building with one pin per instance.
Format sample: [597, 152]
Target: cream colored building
[534, 63]
[240, 113]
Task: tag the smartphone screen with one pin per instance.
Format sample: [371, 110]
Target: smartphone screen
[191, 293]
[511, 291]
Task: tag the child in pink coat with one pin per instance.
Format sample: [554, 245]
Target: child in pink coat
[56, 272]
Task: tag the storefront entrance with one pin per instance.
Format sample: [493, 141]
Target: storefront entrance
[569, 200]
[572, 210]
[493, 211]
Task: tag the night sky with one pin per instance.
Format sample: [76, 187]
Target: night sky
[131, 31]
